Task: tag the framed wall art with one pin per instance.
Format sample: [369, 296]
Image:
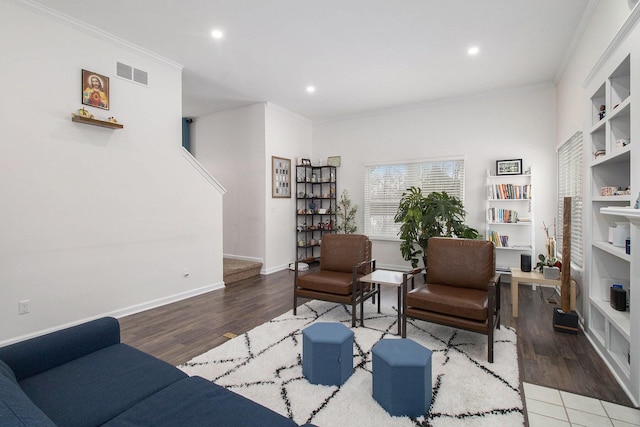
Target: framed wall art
[95, 90]
[509, 167]
[334, 161]
[281, 177]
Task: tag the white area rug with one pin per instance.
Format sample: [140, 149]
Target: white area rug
[265, 365]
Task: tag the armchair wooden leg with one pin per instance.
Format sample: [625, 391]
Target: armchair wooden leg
[295, 285]
[354, 306]
[490, 351]
[491, 310]
[295, 300]
[404, 307]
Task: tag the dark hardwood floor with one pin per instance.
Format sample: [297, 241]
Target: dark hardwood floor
[177, 332]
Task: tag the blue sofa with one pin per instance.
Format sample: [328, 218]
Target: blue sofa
[84, 376]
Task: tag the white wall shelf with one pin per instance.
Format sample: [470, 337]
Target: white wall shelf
[516, 196]
[614, 333]
[613, 250]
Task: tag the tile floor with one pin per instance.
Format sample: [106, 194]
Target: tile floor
[547, 407]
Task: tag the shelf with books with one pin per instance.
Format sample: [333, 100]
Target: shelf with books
[509, 217]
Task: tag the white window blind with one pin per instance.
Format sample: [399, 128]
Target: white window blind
[385, 183]
[570, 184]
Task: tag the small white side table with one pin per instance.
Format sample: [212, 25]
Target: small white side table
[389, 278]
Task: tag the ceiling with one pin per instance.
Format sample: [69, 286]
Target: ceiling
[361, 55]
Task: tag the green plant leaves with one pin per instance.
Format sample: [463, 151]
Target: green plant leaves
[422, 217]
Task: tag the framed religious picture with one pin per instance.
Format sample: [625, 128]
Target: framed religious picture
[281, 177]
[95, 90]
[509, 167]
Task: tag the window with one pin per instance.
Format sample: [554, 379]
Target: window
[385, 183]
[570, 184]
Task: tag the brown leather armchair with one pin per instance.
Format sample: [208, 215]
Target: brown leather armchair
[461, 289]
[344, 259]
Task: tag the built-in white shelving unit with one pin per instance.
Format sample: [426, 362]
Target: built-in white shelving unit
[615, 334]
[510, 218]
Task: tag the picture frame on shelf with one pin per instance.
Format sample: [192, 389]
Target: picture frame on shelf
[509, 167]
[306, 162]
[95, 90]
[334, 161]
[281, 177]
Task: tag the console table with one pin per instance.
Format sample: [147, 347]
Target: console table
[535, 277]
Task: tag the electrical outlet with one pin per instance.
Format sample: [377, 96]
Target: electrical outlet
[23, 306]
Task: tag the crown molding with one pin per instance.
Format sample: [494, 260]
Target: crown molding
[617, 40]
[92, 30]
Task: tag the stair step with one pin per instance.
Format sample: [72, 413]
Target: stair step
[235, 270]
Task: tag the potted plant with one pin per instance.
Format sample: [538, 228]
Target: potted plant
[422, 217]
[346, 214]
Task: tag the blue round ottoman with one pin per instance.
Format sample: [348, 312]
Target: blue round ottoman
[402, 377]
[327, 353]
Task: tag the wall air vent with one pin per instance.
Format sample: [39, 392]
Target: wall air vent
[140, 76]
[133, 74]
[123, 70]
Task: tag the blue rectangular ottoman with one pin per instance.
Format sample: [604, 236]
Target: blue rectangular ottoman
[327, 353]
[402, 377]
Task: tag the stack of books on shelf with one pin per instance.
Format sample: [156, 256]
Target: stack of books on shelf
[503, 216]
[498, 240]
[510, 191]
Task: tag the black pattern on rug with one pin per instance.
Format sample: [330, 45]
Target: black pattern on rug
[265, 365]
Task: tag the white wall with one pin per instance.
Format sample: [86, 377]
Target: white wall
[518, 123]
[604, 23]
[94, 220]
[236, 146]
[287, 135]
[230, 145]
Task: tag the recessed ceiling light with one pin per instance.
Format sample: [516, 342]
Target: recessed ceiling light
[474, 50]
[311, 89]
[217, 34]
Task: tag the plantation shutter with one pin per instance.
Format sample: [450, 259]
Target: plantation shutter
[385, 183]
[570, 184]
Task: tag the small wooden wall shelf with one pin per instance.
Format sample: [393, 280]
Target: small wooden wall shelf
[96, 122]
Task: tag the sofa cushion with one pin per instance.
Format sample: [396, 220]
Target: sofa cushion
[39, 354]
[16, 409]
[93, 389]
[195, 401]
[7, 372]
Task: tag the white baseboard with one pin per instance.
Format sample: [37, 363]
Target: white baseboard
[243, 258]
[274, 269]
[121, 312]
[164, 301]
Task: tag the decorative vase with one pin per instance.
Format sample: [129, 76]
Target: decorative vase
[551, 248]
[621, 233]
